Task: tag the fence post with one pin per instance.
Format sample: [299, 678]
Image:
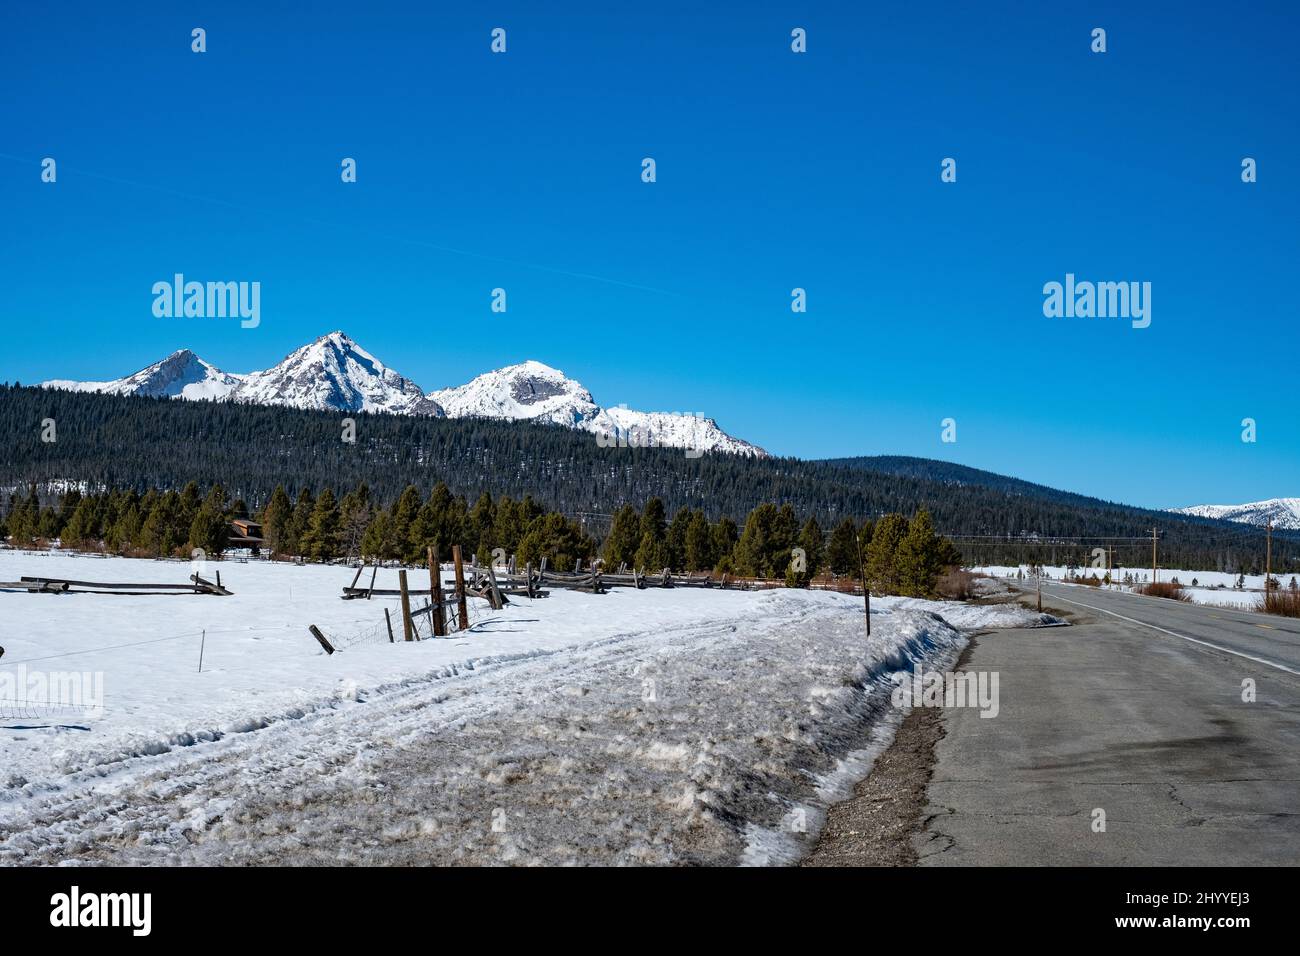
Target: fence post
[435, 595]
[461, 609]
[407, 628]
[388, 618]
[315, 632]
[498, 602]
[371, 590]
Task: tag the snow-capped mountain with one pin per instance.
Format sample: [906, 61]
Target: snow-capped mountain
[670, 429]
[180, 375]
[1284, 512]
[334, 373]
[538, 392]
[528, 390]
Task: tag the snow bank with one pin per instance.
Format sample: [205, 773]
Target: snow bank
[663, 727]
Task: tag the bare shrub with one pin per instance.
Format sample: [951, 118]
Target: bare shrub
[1164, 589]
[1278, 601]
[956, 585]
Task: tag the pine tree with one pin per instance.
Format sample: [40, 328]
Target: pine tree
[676, 539]
[277, 518]
[754, 553]
[354, 518]
[210, 528]
[481, 527]
[320, 541]
[651, 554]
[654, 519]
[699, 544]
[882, 569]
[842, 551]
[556, 538]
[725, 537]
[623, 539]
[79, 531]
[811, 542]
[299, 520]
[917, 558]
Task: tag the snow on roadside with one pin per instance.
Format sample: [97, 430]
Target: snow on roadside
[678, 726]
[973, 617]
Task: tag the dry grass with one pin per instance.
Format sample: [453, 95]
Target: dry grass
[1283, 602]
[956, 585]
[1164, 589]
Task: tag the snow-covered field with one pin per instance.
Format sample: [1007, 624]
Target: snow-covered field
[654, 726]
[1214, 588]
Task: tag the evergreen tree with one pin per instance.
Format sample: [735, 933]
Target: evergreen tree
[80, 529]
[320, 540]
[354, 518]
[699, 544]
[811, 542]
[277, 520]
[405, 511]
[725, 537]
[623, 539]
[676, 539]
[918, 557]
[651, 554]
[785, 538]
[556, 538]
[210, 528]
[842, 551]
[481, 527]
[654, 520]
[882, 568]
[377, 544]
[299, 521]
[755, 552]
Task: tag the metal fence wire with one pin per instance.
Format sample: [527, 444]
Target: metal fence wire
[17, 708]
[421, 623]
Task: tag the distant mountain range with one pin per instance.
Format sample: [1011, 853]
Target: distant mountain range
[1283, 512]
[334, 373]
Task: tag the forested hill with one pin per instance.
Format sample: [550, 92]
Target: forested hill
[132, 442]
[952, 473]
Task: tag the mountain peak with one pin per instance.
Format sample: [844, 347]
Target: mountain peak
[1283, 512]
[334, 373]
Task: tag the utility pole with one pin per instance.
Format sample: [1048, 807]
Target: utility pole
[1154, 572]
[1268, 556]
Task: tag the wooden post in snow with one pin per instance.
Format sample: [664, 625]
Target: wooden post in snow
[498, 602]
[371, 590]
[315, 632]
[461, 609]
[408, 629]
[388, 618]
[438, 614]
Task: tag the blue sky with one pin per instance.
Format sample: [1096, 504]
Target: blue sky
[775, 170]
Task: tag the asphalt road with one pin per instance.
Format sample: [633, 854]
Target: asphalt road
[1136, 711]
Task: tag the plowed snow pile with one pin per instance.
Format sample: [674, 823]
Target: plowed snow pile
[659, 726]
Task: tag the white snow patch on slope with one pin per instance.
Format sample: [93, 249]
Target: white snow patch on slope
[1283, 512]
